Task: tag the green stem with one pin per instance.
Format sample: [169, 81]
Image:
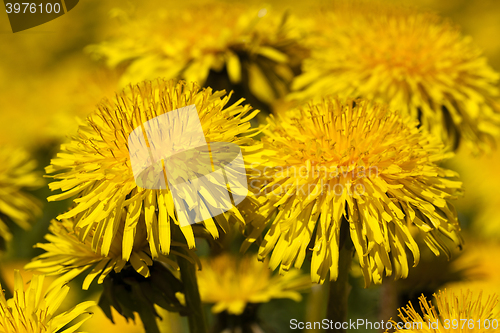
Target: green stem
[340, 289]
[196, 316]
[149, 321]
[389, 300]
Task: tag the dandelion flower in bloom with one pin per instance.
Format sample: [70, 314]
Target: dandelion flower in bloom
[146, 282]
[69, 257]
[481, 267]
[96, 166]
[452, 313]
[231, 283]
[246, 44]
[17, 175]
[29, 312]
[335, 162]
[416, 62]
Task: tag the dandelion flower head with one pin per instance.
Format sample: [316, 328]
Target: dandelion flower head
[67, 256]
[352, 162]
[250, 44]
[230, 283]
[452, 313]
[96, 166]
[30, 312]
[416, 62]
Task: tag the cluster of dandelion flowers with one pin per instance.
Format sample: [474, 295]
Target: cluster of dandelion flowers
[17, 175]
[416, 62]
[232, 283]
[29, 312]
[253, 45]
[354, 161]
[96, 166]
[452, 313]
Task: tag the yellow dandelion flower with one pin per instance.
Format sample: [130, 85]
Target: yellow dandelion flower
[66, 255]
[355, 163]
[96, 165]
[29, 312]
[481, 267]
[17, 175]
[248, 44]
[416, 62]
[231, 283]
[452, 313]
